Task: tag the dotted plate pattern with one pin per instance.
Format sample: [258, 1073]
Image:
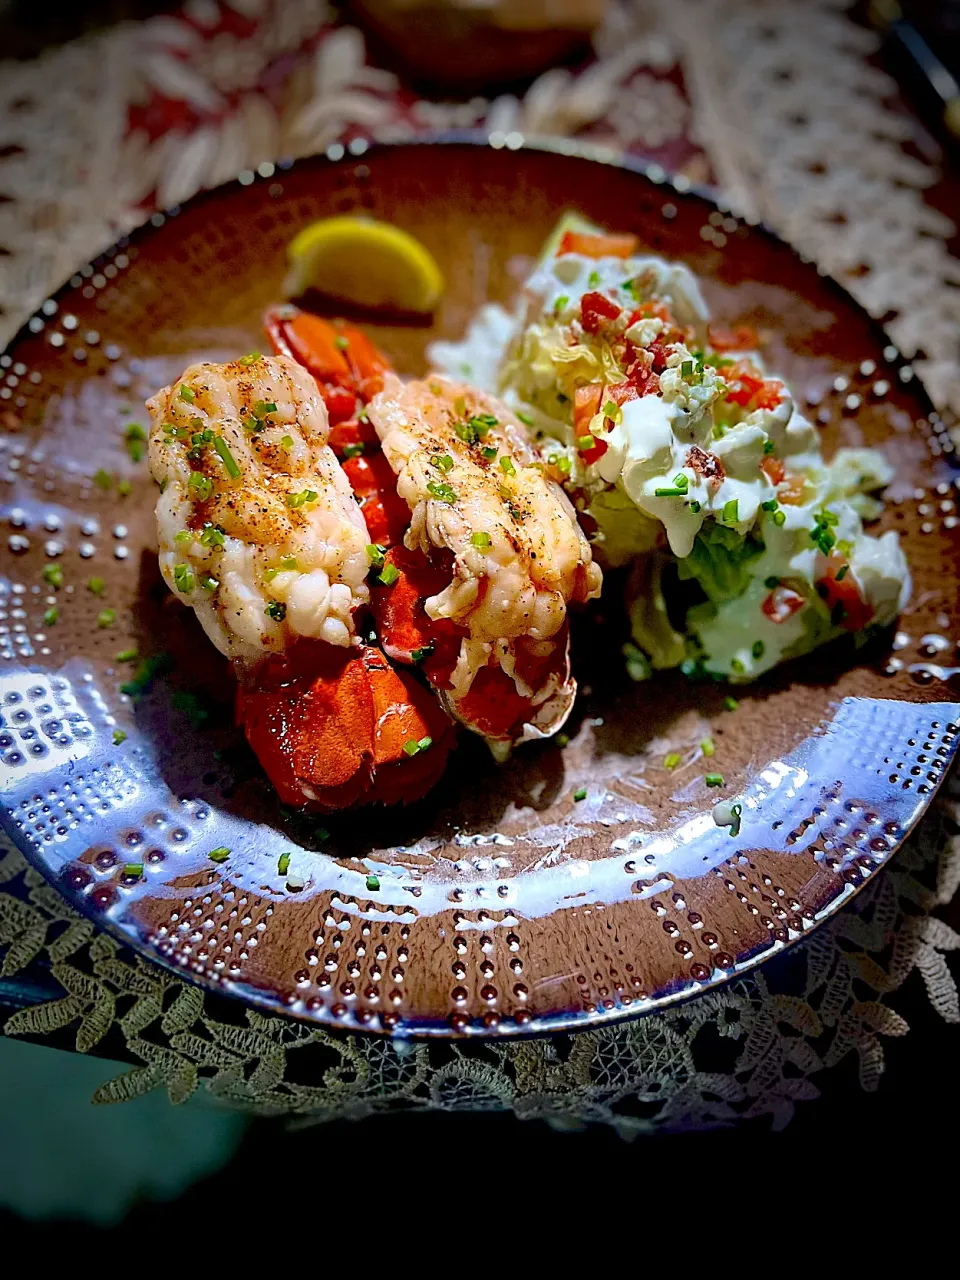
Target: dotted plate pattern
[500, 905]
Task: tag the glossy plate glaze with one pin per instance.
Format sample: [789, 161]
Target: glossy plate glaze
[502, 904]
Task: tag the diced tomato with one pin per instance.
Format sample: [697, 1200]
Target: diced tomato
[597, 246]
[748, 389]
[621, 392]
[595, 452]
[586, 404]
[782, 603]
[597, 310]
[741, 338]
[838, 586]
[772, 468]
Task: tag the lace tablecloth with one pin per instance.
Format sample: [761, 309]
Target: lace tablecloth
[783, 107]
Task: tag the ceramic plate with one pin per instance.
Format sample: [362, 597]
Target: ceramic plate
[500, 904]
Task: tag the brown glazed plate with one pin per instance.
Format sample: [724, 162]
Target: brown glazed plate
[498, 905]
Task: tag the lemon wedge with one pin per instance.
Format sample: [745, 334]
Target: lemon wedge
[364, 262]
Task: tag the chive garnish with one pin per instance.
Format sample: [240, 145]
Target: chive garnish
[507, 467]
[226, 457]
[671, 760]
[489, 453]
[842, 572]
[442, 492]
[373, 883]
[586, 442]
[183, 578]
[124, 488]
[681, 481]
[695, 507]
[50, 617]
[768, 446]
[97, 586]
[442, 461]
[388, 575]
[481, 540]
[53, 573]
[525, 418]
[353, 451]
[714, 779]
[118, 737]
[580, 793]
[220, 854]
[106, 617]
[411, 747]
[560, 303]
[669, 491]
[208, 581]
[187, 393]
[770, 505]
[563, 465]
[731, 511]
[202, 484]
[730, 703]
[276, 610]
[418, 655]
[780, 518]
[286, 443]
[375, 554]
[102, 479]
[211, 535]
[295, 500]
[283, 863]
[707, 747]
[737, 666]
[757, 650]
[126, 655]
[252, 358]
[132, 870]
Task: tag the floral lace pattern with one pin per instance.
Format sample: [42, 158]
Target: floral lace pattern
[102, 131]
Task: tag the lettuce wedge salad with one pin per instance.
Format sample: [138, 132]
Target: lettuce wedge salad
[686, 460]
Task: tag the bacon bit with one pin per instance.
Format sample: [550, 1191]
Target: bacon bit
[782, 603]
[773, 469]
[597, 310]
[742, 338]
[597, 246]
[843, 591]
[707, 465]
[791, 490]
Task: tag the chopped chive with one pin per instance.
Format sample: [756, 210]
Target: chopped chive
[102, 479]
[388, 575]
[136, 450]
[53, 573]
[842, 572]
[737, 666]
[341, 343]
[586, 442]
[97, 586]
[353, 451]
[220, 854]
[695, 507]
[707, 747]
[580, 793]
[730, 703]
[758, 647]
[562, 739]
[425, 743]
[770, 505]
[593, 279]
[126, 655]
[411, 747]
[296, 500]
[442, 461]
[362, 416]
[183, 536]
[124, 488]
[442, 492]
[183, 578]
[283, 863]
[560, 303]
[211, 535]
[118, 737]
[481, 540]
[373, 883]
[286, 443]
[507, 467]
[132, 870]
[375, 554]
[844, 546]
[681, 481]
[226, 457]
[270, 574]
[203, 485]
[276, 610]
[667, 491]
[187, 393]
[262, 408]
[686, 369]
[731, 511]
[50, 617]
[768, 446]
[564, 465]
[489, 453]
[288, 563]
[106, 618]
[671, 760]
[714, 779]
[771, 582]
[134, 431]
[780, 518]
[419, 655]
[208, 582]
[525, 418]
[736, 811]
[252, 358]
